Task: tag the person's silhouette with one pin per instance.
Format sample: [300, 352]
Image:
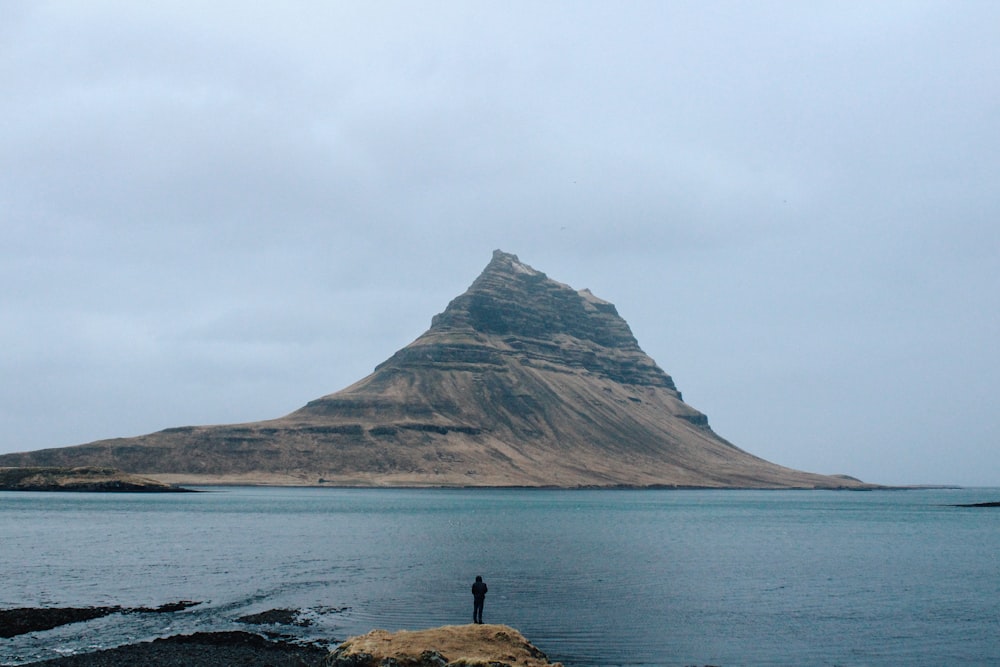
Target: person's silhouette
[478, 598]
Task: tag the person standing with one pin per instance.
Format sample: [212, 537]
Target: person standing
[478, 598]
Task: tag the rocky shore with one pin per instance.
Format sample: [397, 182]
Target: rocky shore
[203, 648]
[200, 648]
[483, 645]
[22, 620]
[447, 646]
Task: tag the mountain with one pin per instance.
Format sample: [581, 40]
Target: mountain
[521, 381]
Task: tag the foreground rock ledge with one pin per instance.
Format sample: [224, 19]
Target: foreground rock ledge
[447, 646]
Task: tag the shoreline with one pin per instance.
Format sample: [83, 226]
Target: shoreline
[470, 644]
[242, 647]
[197, 484]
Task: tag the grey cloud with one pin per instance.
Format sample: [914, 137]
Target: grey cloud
[216, 213]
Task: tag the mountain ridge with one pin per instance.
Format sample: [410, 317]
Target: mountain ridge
[520, 381]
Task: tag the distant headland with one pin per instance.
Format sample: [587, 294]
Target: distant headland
[83, 478]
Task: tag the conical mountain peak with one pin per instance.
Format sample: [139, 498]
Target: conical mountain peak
[510, 298]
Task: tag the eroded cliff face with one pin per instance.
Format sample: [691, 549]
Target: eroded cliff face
[513, 308]
[513, 314]
[521, 381]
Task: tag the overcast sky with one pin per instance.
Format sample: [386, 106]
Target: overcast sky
[216, 212]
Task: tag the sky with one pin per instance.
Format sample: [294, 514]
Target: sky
[215, 212]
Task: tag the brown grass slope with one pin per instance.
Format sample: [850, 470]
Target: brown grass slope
[521, 381]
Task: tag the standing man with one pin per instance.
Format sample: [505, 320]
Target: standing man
[478, 597]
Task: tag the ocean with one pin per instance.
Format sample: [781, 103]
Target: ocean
[592, 577]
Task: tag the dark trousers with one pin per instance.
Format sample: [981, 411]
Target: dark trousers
[477, 609]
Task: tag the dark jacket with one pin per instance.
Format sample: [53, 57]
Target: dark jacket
[479, 590]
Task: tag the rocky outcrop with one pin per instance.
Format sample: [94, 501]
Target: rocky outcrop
[80, 479]
[520, 381]
[447, 646]
[22, 620]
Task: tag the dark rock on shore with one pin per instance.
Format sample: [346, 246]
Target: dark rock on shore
[83, 478]
[202, 648]
[990, 504]
[20, 621]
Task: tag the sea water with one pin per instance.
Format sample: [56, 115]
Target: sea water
[593, 577]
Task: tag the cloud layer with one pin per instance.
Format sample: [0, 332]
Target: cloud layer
[216, 214]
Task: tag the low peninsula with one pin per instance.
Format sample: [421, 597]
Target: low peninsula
[83, 478]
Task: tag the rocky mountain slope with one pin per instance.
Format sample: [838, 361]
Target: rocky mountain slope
[521, 381]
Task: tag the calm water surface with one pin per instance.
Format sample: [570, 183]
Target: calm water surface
[591, 577]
